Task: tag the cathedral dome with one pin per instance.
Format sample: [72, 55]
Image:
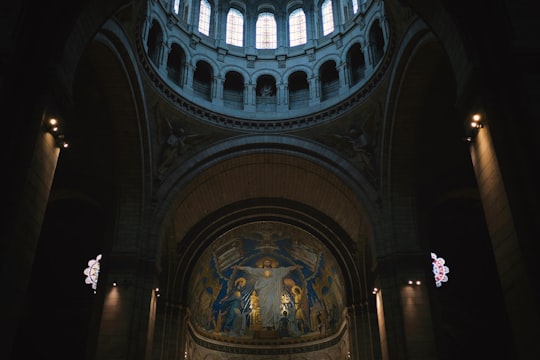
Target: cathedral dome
[246, 64]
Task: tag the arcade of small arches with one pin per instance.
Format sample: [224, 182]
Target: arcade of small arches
[247, 82]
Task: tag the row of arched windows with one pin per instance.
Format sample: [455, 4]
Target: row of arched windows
[266, 93]
[266, 24]
[297, 95]
[197, 74]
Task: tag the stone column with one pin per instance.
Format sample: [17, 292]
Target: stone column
[343, 83]
[368, 50]
[127, 301]
[171, 340]
[188, 79]
[314, 90]
[217, 90]
[19, 248]
[403, 309]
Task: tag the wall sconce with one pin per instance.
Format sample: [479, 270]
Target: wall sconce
[55, 129]
[123, 282]
[414, 282]
[475, 124]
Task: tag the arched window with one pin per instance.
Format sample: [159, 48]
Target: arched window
[175, 64]
[356, 64]
[155, 37]
[355, 6]
[235, 28]
[202, 80]
[327, 17]
[376, 37]
[298, 90]
[329, 76]
[205, 13]
[266, 31]
[233, 90]
[297, 27]
[266, 93]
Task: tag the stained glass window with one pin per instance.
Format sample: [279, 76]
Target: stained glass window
[439, 269]
[327, 17]
[297, 27]
[355, 6]
[266, 31]
[235, 28]
[205, 13]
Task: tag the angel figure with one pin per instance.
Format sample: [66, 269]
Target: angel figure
[174, 147]
[172, 150]
[357, 146]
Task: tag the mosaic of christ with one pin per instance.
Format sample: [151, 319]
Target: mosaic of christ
[267, 280]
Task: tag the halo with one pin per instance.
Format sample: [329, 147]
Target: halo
[260, 261]
[297, 290]
[241, 281]
[289, 282]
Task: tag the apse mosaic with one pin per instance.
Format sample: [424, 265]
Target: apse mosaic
[267, 280]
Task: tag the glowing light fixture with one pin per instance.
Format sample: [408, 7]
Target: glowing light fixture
[475, 124]
[92, 272]
[55, 129]
[439, 269]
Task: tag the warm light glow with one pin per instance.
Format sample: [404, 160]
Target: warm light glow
[476, 123]
[54, 128]
[414, 282]
[114, 284]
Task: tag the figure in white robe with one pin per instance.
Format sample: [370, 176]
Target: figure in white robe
[269, 286]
